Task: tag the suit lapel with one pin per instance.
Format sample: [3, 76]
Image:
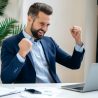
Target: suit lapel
[20, 36]
[45, 48]
[30, 57]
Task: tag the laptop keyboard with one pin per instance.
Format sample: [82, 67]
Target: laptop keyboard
[79, 88]
[76, 87]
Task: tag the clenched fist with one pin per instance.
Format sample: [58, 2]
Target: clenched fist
[76, 33]
[25, 46]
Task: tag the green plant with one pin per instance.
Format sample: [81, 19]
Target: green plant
[8, 26]
[3, 4]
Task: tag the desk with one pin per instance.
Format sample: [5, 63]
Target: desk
[62, 94]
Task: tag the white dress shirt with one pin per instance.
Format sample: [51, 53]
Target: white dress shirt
[40, 63]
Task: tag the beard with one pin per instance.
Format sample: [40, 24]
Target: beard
[38, 34]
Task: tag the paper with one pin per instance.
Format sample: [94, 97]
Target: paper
[50, 91]
[46, 92]
[6, 91]
[28, 95]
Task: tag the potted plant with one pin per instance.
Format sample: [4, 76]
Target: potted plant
[8, 26]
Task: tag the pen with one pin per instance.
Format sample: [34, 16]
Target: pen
[10, 93]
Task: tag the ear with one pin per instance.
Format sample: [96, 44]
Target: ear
[30, 19]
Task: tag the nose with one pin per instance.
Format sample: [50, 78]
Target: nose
[44, 28]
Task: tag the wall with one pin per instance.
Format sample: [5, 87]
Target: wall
[90, 32]
[13, 9]
[66, 14]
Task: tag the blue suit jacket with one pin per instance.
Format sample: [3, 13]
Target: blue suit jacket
[13, 71]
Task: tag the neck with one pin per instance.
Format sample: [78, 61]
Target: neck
[28, 31]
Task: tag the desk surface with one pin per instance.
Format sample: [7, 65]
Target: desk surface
[62, 93]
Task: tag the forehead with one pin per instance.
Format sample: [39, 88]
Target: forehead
[42, 17]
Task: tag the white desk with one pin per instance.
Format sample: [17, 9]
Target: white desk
[62, 93]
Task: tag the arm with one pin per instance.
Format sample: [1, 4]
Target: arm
[67, 60]
[11, 66]
[73, 61]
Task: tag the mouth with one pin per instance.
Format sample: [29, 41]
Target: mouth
[40, 33]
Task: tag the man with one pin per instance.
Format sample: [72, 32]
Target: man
[30, 57]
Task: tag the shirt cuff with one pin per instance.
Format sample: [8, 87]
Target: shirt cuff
[21, 59]
[79, 48]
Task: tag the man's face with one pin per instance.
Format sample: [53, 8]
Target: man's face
[40, 25]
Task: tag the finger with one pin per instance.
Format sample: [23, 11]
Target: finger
[77, 27]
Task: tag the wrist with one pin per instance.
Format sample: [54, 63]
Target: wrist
[22, 54]
[79, 43]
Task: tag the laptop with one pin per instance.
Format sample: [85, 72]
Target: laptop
[91, 82]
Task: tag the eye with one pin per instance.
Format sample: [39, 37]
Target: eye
[48, 25]
[42, 24]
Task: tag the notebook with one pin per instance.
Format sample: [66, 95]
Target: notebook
[91, 82]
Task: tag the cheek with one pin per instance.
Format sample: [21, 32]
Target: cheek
[36, 26]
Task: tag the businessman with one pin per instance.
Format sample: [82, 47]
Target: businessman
[30, 57]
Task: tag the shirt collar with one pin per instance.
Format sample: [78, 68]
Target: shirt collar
[26, 35]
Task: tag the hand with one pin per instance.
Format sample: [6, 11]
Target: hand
[76, 33]
[25, 46]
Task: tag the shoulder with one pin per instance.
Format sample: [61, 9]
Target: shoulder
[50, 41]
[10, 40]
[13, 39]
[46, 38]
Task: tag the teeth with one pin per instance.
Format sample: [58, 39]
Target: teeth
[41, 33]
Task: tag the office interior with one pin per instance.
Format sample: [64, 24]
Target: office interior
[66, 14]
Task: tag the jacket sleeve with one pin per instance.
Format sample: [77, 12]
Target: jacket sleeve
[11, 66]
[71, 61]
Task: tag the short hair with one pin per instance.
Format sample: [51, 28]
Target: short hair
[37, 7]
